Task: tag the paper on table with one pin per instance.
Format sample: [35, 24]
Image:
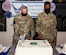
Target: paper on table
[6, 49]
[59, 49]
[1, 48]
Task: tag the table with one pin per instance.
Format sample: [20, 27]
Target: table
[41, 47]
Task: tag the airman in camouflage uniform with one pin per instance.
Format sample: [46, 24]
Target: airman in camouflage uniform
[46, 25]
[23, 25]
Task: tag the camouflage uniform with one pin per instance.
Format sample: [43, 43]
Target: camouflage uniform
[23, 25]
[46, 25]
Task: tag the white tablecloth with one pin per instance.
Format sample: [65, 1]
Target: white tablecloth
[41, 48]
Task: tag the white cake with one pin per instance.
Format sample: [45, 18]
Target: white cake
[27, 43]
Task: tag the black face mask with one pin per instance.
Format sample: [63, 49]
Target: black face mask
[47, 11]
[24, 14]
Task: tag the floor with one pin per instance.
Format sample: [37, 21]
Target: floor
[12, 51]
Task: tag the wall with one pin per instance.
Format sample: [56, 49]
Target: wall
[6, 37]
[61, 38]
